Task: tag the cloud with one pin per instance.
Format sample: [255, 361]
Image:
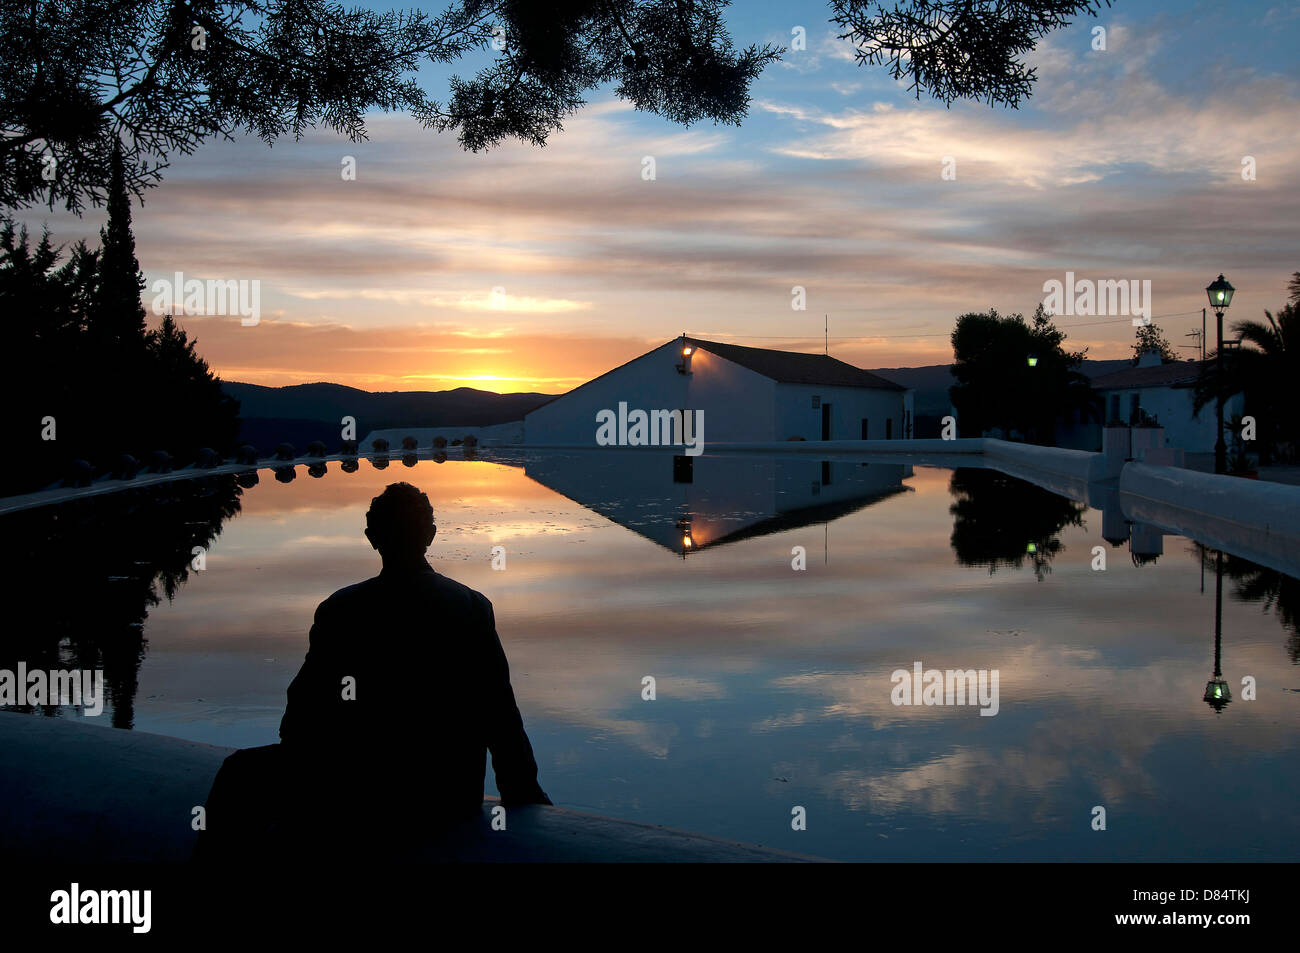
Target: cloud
[1113, 170]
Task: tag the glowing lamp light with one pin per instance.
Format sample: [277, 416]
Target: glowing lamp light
[686, 541]
[1033, 360]
[1217, 693]
[686, 351]
[1220, 293]
[1031, 548]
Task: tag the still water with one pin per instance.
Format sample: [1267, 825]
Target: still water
[772, 683]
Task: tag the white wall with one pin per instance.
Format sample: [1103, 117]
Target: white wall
[795, 416]
[1172, 406]
[740, 405]
[649, 382]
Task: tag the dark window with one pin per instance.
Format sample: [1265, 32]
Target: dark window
[683, 469]
[826, 421]
[826, 473]
[889, 428]
[865, 427]
[1133, 406]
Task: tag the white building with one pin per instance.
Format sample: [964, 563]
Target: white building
[747, 395]
[1165, 392]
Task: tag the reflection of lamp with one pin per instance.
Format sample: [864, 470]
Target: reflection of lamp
[1220, 295]
[1033, 360]
[1217, 694]
[684, 527]
[1031, 548]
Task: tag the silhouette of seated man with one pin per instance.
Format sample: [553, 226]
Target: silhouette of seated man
[404, 691]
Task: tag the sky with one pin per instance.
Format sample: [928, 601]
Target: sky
[536, 269]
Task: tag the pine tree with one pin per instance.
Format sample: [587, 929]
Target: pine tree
[120, 316]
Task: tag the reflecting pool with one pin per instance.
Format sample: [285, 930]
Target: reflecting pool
[770, 600]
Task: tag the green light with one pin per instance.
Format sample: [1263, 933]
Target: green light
[1033, 362]
[1031, 548]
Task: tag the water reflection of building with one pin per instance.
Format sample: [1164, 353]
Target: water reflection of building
[687, 504]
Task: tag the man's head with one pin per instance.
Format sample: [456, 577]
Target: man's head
[400, 522]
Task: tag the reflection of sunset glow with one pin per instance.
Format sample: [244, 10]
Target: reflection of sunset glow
[581, 612]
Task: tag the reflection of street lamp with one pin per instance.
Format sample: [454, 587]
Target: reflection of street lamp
[1217, 694]
[1220, 295]
[684, 527]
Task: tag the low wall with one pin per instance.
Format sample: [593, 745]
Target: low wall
[1067, 472]
[929, 445]
[76, 793]
[1253, 519]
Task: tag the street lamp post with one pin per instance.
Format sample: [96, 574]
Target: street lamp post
[1220, 294]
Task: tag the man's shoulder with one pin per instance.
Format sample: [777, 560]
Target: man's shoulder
[348, 596]
[436, 587]
[450, 588]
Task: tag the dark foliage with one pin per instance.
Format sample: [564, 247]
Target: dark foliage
[84, 366]
[164, 76]
[996, 386]
[1002, 522]
[957, 49]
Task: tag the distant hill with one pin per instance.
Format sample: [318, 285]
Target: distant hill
[302, 413]
[931, 382]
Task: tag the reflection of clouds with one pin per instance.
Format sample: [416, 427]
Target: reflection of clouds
[1091, 724]
[310, 540]
[786, 672]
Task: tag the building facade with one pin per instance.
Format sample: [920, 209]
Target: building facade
[739, 394]
[1165, 392]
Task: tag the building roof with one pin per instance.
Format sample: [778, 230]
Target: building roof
[1176, 374]
[794, 367]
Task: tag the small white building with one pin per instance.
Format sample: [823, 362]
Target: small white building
[1165, 392]
[746, 394]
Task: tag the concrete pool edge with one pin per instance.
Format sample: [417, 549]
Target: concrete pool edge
[1248, 518]
[81, 793]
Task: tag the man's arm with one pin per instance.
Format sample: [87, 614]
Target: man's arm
[512, 755]
[314, 695]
